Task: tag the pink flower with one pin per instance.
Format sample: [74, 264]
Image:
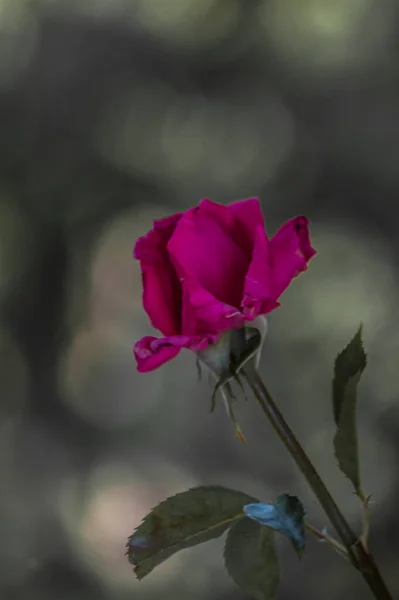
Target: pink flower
[211, 269]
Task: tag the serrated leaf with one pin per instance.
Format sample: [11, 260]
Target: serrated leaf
[182, 521]
[286, 515]
[251, 559]
[349, 366]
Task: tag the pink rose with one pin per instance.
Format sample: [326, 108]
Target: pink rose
[211, 269]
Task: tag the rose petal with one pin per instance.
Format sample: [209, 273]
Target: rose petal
[259, 289]
[203, 314]
[248, 216]
[161, 288]
[149, 356]
[300, 225]
[222, 215]
[238, 219]
[166, 226]
[151, 352]
[201, 248]
[290, 251]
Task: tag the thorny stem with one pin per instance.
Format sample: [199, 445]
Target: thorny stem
[366, 518]
[358, 554]
[325, 537]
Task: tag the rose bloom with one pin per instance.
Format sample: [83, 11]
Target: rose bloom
[212, 269]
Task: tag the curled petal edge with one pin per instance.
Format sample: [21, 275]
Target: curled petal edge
[151, 352]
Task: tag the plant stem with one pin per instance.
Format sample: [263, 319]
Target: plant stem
[358, 554]
[366, 519]
[339, 548]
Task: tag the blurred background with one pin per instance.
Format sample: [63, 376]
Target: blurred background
[116, 112]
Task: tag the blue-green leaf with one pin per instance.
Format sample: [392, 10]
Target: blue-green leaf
[286, 515]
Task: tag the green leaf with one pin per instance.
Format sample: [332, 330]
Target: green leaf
[182, 521]
[286, 515]
[251, 559]
[349, 365]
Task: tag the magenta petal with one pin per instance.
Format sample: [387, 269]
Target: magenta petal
[157, 238]
[248, 216]
[151, 352]
[166, 226]
[204, 314]
[219, 213]
[290, 251]
[238, 219]
[300, 226]
[201, 248]
[161, 290]
[259, 289]
[160, 300]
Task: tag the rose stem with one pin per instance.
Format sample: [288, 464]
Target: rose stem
[339, 548]
[358, 555]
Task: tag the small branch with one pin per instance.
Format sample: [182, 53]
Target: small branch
[335, 544]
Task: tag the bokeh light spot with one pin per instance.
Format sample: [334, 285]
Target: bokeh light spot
[328, 34]
[192, 141]
[193, 24]
[98, 372]
[351, 280]
[100, 515]
[18, 38]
